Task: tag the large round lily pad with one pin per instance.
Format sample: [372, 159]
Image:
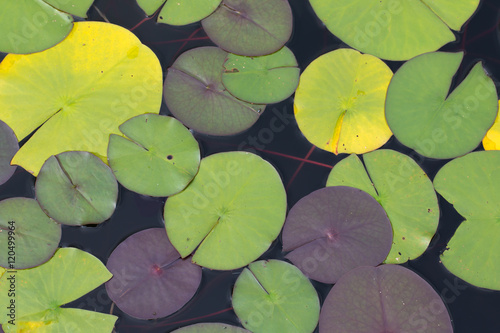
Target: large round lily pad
[405, 192]
[78, 92]
[472, 184]
[157, 155]
[77, 188]
[150, 280]
[339, 103]
[230, 213]
[29, 237]
[424, 117]
[394, 29]
[274, 296]
[492, 139]
[250, 27]
[388, 298]
[211, 328]
[8, 148]
[335, 229]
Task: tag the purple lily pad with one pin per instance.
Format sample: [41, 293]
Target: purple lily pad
[336, 229]
[8, 148]
[388, 298]
[150, 280]
[211, 328]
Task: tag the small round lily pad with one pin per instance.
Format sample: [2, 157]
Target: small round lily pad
[8, 148]
[210, 328]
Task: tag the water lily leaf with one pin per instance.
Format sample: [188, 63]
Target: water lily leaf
[425, 117]
[339, 104]
[29, 236]
[74, 7]
[405, 192]
[195, 95]
[335, 229]
[274, 296]
[388, 298]
[79, 91]
[210, 328]
[8, 148]
[150, 280]
[393, 29]
[180, 12]
[40, 291]
[150, 6]
[158, 156]
[264, 80]
[251, 27]
[230, 213]
[492, 139]
[472, 184]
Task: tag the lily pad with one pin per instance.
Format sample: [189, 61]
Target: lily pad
[180, 12]
[339, 103]
[77, 188]
[472, 184]
[492, 139]
[274, 296]
[29, 237]
[388, 298]
[336, 229]
[195, 95]
[393, 29]
[424, 116]
[79, 92]
[157, 156]
[405, 192]
[250, 27]
[265, 80]
[74, 7]
[230, 213]
[40, 291]
[150, 280]
[210, 328]
[8, 148]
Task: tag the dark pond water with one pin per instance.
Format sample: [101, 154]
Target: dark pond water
[303, 170]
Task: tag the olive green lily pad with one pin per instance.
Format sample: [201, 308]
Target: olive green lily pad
[472, 184]
[8, 148]
[230, 213]
[180, 12]
[405, 192]
[492, 139]
[74, 7]
[157, 155]
[210, 328]
[424, 117]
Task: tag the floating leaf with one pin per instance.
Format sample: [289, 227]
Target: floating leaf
[195, 95]
[8, 148]
[472, 184]
[74, 7]
[492, 139]
[230, 213]
[149, 279]
[150, 6]
[393, 29]
[335, 229]
[158, 156]
[274, 296]
[29, 237]
[180, 12]
[405, 192]
[79, 91]
[425, 118]
[388, 298]
[210, 328]
[339, 104]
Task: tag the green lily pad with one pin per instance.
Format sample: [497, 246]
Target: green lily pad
[180, 12]
[29, 236]
[274, 296]
[78, 92]
[230, 213]
[472, 184]
[393, 29]
[264, 80]
[40, 291]
[210, 328]
[405, 192]
[425, 118]
[8, 148]
[77, 188]
[339, 103]
[74, 7]
[158, 156]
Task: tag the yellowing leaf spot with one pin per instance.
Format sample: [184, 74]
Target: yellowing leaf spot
[333, 144]
[133, 52]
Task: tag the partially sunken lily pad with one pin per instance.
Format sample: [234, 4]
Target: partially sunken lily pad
[405, 192]
[157, 155]
[230, 213]
[424, 117]
[492, 139]
[8, 148]
[265, 79]
[150, 280]
[211, 328]
[388, 298]
[77, 188]
[195, 95]
[250, 27]
[472, 184]
[274, 296]
[335, 229]
[29, 237]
